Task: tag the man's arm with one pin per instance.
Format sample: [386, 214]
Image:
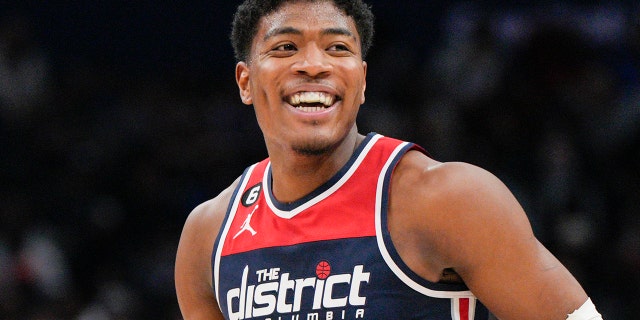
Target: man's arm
[193, 259]
[467, 219]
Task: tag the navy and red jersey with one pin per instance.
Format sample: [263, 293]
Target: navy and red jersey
[328, 255]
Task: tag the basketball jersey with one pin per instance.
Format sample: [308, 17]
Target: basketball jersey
[328, 255]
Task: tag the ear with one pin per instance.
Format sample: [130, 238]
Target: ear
[242, 79]
[364, 83]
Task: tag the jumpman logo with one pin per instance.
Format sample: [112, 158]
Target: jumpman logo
[246, 224]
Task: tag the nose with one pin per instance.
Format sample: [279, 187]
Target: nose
[313, 62]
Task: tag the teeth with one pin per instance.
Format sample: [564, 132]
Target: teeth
[311, 97]
[309, 109]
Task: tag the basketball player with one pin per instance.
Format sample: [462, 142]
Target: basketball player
[339, 225]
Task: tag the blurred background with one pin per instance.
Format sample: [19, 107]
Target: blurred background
[118, 117]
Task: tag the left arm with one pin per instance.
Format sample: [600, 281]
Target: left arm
[467, 219]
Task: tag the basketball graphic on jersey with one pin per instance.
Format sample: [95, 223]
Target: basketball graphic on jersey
[323, 270]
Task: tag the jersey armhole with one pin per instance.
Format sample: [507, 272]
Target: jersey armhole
[224, 228]
[385, 244]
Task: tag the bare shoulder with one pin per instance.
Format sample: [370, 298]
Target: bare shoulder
[193, 275]
[451, 189]
[448, 179]
[469, 207]
[456, 209]
[459, 216]
[443, 206]
[205, 220]
[209, 214]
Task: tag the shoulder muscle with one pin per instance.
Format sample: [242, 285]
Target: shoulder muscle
[465, 218]
[193, 259]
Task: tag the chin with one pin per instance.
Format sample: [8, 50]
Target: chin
[315, 146]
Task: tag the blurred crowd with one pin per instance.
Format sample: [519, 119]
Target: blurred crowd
[101, 166]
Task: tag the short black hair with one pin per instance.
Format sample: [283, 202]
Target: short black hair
[249, 13]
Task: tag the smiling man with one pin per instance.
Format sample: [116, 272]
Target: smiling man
[339, 225]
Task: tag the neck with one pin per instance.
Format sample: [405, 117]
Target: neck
[297, 174]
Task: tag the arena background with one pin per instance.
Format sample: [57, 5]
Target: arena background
[118, 117]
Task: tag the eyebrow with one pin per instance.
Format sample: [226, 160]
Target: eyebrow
[292, 30]
[279, 31]
[337, 31]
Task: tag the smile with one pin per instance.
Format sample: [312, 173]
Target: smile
[311, 101]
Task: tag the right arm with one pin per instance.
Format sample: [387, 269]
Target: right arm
[193, 275]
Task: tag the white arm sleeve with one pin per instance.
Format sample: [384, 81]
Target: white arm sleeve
[586, 312]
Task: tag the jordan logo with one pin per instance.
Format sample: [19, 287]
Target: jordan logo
[246, 224]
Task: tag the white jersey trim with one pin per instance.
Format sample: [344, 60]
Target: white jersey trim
[384, 251]
[292, 213]
[456, 310]
[225, 230]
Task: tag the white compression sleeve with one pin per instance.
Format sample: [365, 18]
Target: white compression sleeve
[586, 312]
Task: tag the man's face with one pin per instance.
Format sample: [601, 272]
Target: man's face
[305, 76]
